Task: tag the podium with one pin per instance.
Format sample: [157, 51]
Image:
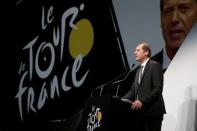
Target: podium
[105, 113]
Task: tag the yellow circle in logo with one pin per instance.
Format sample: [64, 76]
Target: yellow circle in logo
[99, 116]
[81, 38]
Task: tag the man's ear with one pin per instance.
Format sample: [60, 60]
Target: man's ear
[146, 52]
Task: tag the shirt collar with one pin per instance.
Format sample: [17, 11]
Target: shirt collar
[144, 64]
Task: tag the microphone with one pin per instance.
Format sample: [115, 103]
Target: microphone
[98, 87]
[120, 81]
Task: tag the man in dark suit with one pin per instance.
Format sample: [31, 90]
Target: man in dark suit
[146, 91]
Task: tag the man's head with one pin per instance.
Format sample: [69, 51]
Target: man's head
[142, 52]
[177, 18]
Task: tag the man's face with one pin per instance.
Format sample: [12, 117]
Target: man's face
[140, 54]
[177, 18]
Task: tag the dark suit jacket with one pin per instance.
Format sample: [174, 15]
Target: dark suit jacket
[158, 57]
[149, 91]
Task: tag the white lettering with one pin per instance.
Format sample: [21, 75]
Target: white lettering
[42, 97]
[30, 100]
[75, 69]
[49, 17]
[30, 46]
[54, 87]
[45, 73]
[21, 91]
[71, 11]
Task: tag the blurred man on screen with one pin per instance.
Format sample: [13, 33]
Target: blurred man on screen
[177, 18]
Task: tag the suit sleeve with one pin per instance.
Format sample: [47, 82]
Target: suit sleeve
[130, 94]
[130, 83]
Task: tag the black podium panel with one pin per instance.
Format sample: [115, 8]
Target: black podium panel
[105, 113]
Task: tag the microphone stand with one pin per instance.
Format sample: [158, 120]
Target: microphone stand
[120, 81]
[117, 90]
[105, 84]
[101, 91]
[112, 82]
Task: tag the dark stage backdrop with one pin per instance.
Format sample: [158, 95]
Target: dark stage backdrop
[63, 50]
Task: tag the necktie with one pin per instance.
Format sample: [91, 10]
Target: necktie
[140, 74]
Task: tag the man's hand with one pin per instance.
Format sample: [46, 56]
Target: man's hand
[136, 105]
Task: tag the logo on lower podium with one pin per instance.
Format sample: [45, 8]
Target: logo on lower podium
[94, 118]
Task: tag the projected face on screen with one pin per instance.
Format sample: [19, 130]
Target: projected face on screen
[177, 18]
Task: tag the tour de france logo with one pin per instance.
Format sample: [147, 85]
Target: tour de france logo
[40, 68]
[94, 119]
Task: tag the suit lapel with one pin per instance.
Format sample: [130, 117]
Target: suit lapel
[137, 80]
[137, 75]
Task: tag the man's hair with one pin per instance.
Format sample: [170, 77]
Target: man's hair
[161, 5]
[146, 47]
